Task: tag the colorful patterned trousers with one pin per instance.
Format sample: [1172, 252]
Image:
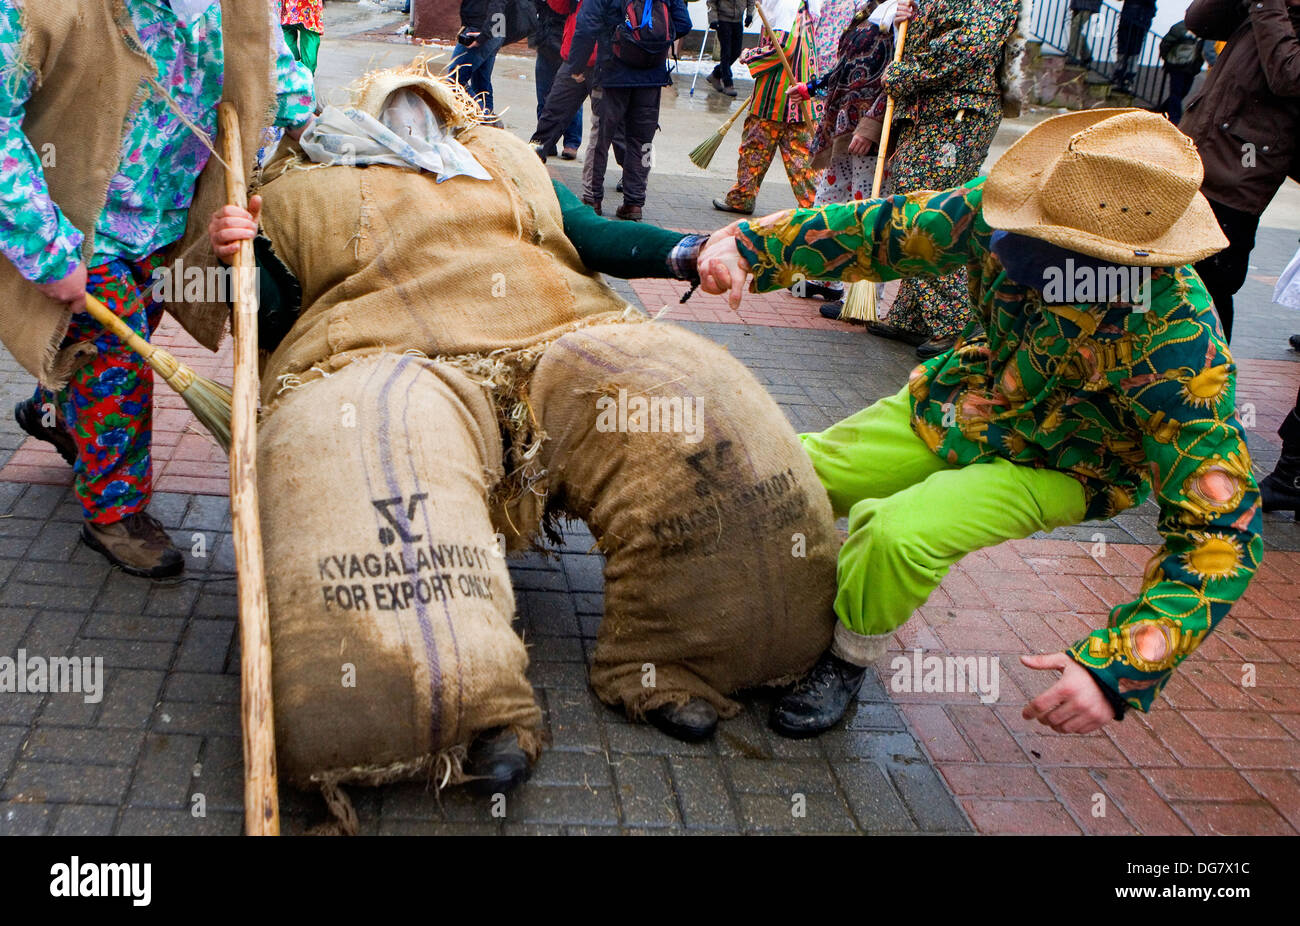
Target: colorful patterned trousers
[107, 405]
[938, 152]
[759, 142]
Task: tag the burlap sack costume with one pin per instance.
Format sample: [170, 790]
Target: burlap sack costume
[91, 70]
[483, 365]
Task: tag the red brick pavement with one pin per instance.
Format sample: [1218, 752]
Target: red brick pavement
[1219, 753]
[185, 458]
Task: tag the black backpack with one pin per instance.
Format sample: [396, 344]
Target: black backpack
[644, 37]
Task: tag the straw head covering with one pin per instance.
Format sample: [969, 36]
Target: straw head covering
[452, 104]
[1119, 184]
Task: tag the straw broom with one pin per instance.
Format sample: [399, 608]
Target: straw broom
[210, 401]
[261, 791]
[860, 300]
[705, 150]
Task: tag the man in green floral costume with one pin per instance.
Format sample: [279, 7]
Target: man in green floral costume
[1094, 371]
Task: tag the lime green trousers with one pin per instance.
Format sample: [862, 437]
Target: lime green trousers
[911, 515]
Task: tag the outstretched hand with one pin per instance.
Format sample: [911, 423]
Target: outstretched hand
[1075, 704]
[231, 225]
[722, 270]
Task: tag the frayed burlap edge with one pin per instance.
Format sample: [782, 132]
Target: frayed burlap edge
[440, 770]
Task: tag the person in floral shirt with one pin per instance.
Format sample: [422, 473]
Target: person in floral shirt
[101, 420]
[1057, 404]
[303, 28]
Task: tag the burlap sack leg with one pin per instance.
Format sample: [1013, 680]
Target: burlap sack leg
[719, 539]
[391, 607]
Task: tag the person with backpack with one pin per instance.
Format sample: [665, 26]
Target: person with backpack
[1181, 53]
[632, 39]
[550, 40]
[725, 19]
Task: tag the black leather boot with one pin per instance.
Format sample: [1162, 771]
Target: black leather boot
[692, 722]
[496, 762]
[1280, 489]
[819, 699]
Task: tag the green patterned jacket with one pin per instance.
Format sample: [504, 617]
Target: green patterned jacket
[1121, 398]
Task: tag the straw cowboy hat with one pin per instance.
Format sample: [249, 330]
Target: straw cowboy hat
[1119, 184]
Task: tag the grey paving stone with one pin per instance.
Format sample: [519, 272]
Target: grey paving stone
[643, 739]
[129, 698]
[799, 813]
[866, 715]
[435, 828]
[20, 708]
[702, 792]
[762, 776]
[127, 654]
[558, 674]
[53, 782]
[564, 805]
[585, 573]
[155, 822]
[18, 818]
[164, 774]
[928, 798]
[202, 719]
[876, 805]
[550, 613]
[202, 687]
[82, 745]
[221, 773]
[123, 593]
[645, 791]
[205, 646]
[84, 820]
[133, 627]
[555, 649]
[52, 634]
[869, 744]
[576, 769]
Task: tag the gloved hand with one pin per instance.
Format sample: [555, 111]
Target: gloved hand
[713, 26]
[749, 18]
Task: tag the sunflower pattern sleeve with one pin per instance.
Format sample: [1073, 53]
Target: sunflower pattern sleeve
[34, 234]
[875, 239]
[1182, 395]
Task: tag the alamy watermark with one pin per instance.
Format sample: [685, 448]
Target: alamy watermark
[53, 675]
[1070, 283]
[917, 673]
[657, 414]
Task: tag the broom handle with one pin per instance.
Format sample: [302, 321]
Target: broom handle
[726, 126]
[889, 120]
[806, 106]
[104, 315]
[261, 793]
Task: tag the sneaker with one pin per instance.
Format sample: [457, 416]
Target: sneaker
[716, 83]
[569, 154]
[629, 212]
[28, 415]
[137, 544]
[729, 89]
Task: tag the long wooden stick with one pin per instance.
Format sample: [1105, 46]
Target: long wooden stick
[261, 793]
[860, 299]
[806, 106]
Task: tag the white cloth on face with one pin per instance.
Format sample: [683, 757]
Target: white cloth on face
[1287, 291]
[780, 13]
[407, 134]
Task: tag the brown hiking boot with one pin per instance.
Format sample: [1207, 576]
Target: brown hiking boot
[137, 544]
[594, 204]
[629, 212]
[28, 415]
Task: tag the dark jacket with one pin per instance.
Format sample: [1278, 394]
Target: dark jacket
[731, 11]
[476, 15]
[1246, 117]
[1086, 6]
[596, 23]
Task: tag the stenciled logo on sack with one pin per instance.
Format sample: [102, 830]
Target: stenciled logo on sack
[917, 673]
[656, 414]
[28, 674]
[1067, 283]
[76, 878]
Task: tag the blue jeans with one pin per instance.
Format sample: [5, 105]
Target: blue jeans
[472, 68]
[545, 76]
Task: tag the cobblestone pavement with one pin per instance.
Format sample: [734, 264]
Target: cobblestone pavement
[1218, 755]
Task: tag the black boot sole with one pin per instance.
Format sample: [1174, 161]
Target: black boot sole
[22, 414]
[156, 572]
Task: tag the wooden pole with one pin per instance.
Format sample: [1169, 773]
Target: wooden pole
[806, 106]
[860, 299]
[261, 794]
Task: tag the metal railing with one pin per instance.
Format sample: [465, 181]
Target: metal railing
[1097, 48]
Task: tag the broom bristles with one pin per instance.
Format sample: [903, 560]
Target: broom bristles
[705, 150]
[860, 302]
[210, 402]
